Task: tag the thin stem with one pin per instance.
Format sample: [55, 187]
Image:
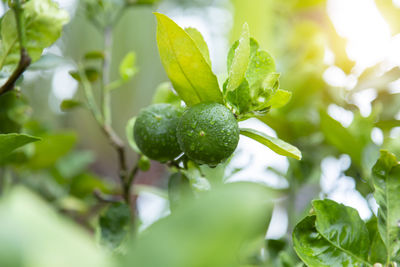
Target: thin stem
[114, 139]
[24, 60]
[87, 89]
[106, 98]
[129, 181]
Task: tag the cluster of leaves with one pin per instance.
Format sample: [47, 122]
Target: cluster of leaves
[252, 87]
[335, 235]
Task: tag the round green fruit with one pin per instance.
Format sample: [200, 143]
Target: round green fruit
[155, 131]
[208, 133]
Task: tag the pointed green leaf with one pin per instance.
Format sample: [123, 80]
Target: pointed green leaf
[185, 65]
[201, 44]
[43, 22]
[280, 98]
[254, 46]
[127, 68]
[10, 142]
[240, 60]
[386, 180]
[275, 144]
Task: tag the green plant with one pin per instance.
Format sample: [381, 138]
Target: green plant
[192, 128]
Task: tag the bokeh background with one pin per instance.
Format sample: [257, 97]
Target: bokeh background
[339, 58]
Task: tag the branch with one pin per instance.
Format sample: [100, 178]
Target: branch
[24, 60]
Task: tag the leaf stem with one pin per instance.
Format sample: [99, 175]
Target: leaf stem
[24, 60]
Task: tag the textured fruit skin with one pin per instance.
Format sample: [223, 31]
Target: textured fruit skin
[208, 133]
[155, 131]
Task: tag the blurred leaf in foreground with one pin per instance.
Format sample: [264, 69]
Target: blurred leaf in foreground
[208, 231]
[32, 234]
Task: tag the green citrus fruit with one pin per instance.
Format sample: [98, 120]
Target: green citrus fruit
[208, 133]
[155, 131]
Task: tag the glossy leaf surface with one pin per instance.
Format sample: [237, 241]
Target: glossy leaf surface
[185, 64]
[275, 144]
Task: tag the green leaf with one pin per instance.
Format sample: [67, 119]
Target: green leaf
[216, 229]
[252, 80]
[69, 104]
[231, 53]
[164, 94]
[127, 68]
[92, 74]
[115, 225]
[129, 135]
[335, 236]
[94, 55]
[342, 227]
[30, 234]
[275, 144]
[10, 142]
[386, 180]
[261, 64]
[280, 98]
[240, 98]
[377, 249]
[240, 60]
[315, 251]
[51, 149]
[43, 22]
[185, 65]
[201, 44]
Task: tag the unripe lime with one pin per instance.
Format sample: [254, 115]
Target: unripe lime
[208, 133]
[155, 131]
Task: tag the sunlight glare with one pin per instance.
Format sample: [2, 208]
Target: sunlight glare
[360, 22]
